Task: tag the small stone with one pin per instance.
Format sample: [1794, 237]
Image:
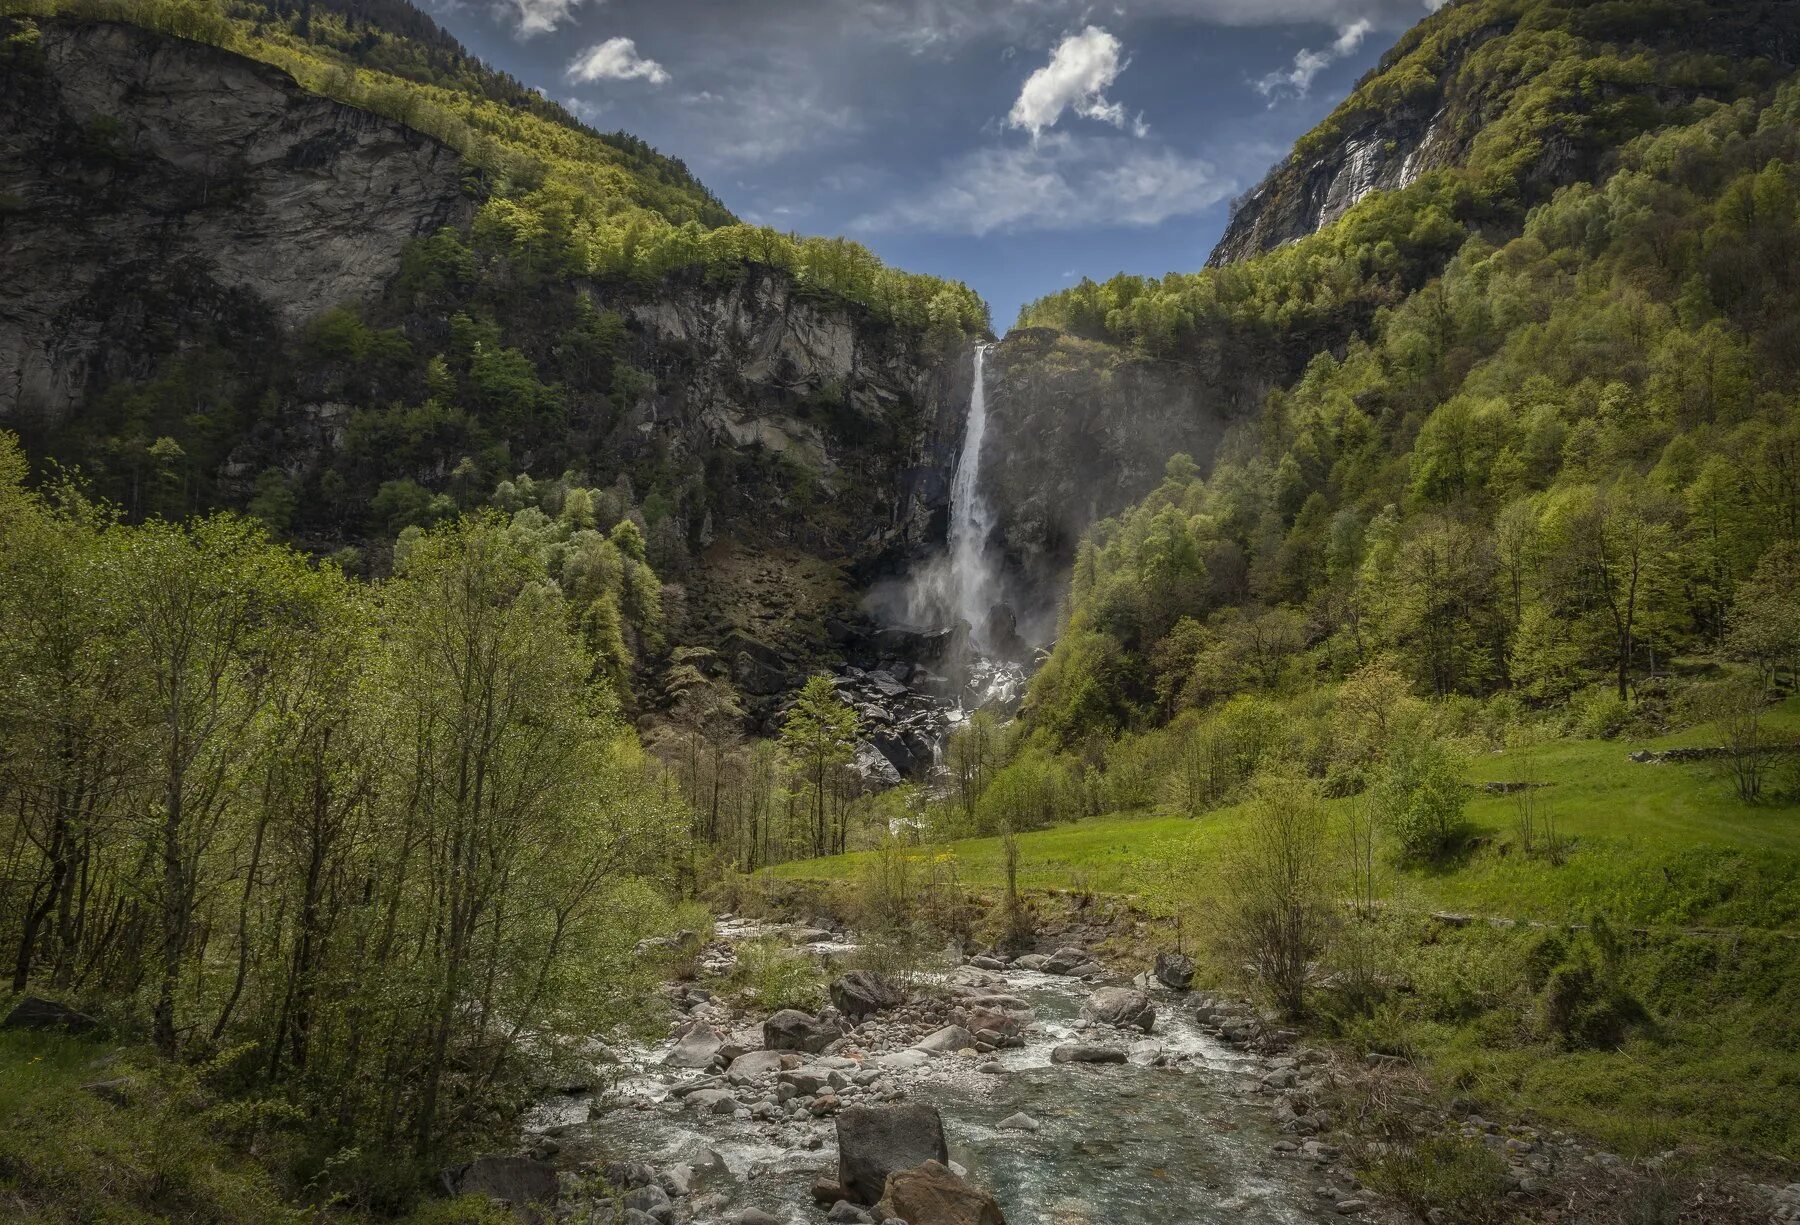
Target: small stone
[1019, 1122]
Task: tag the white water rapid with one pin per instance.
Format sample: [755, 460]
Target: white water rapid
[971, 570]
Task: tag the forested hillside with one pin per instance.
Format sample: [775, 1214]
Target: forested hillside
[1568, 458]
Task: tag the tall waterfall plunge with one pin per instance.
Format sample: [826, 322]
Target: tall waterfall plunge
[973, 589]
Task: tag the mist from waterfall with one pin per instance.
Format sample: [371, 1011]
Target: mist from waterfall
[973, 588]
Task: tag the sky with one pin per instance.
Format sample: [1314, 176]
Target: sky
[1017, 145]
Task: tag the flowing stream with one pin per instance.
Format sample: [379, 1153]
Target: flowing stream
[1188, 1141]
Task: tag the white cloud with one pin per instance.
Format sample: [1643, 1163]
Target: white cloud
[1059, 182]
[1309, 64]
[616, 59]
[540, 16]
[1079, 73]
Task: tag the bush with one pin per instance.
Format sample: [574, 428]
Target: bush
[774, 976]
[1459, 1178]
[1422, 796]
[1600, 713]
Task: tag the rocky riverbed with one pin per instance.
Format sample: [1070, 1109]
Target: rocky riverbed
[1064, 1096]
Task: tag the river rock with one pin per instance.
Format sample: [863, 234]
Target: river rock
[846, 1213]
[35, 1012]
[1070, 962]
[713, 1101]
[860, 994]
[754, 1216]
[698, 1048]
[753, 1065]
[1019, 1122]
[529, 1188]
[1123, 1007]
[902, 1061]
[793, 1030]
[943, 1041]
[1174, 971]
[874, 1142]
[652, 1201]
[1081, 1052]
[985, 962]
[933, 1194]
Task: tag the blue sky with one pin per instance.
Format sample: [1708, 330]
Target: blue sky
[1014, 144]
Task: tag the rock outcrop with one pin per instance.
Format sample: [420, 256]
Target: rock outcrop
[161, 191]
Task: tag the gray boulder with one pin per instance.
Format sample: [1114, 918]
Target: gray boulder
[874, 1142]
[652, 1201]
[1123, 1007]
[34, 1012]
[943, 1041]
[698, 1048]
[1019, 1122]
[1072, 962]
[755, 1065]
[1174, 971]
[529, 1188]
[934, 1194]
[1031, 961]
[860, 994]
[793, 1030]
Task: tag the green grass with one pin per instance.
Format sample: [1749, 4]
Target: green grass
[1665, 845]
[1713, 884]
[152, 1147]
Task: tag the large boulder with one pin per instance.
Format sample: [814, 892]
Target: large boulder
[793, 1030]
[932, 1194]
[1174, 971]
[1072, 962]
[875, 1141]
[699, 1047]
[754, 1065]
[860, 993]
[526, 1186]
[34, 1012]
[943, 1041]
[1081, 1052]
[1123, 1007]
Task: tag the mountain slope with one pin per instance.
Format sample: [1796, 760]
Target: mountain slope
[316, 261]
[1484, 110]
[1539, 92]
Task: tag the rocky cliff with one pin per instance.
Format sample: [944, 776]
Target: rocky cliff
[1480, 72]
[179, 225]
[1077, 431]
[157, 189]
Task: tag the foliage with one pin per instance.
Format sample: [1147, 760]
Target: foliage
[1421, 795]
[358, 843]
[772, 975]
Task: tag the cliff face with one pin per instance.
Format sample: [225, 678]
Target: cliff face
[167, 207]
[1077, 431]
[157, 188]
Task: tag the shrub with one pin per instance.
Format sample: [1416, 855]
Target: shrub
[1458, 1177]
[774, 976]
[1422, 795]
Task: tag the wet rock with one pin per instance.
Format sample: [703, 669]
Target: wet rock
[1032, 961]
[793, 1030]
[754, 1216]
[1122, 1007]
[933, 1194]
[528, 1187]
[847, 1213]
[862, 994]
[35, 1012]
[943, 1041]
[874, 1142]
[1174, 971]
[1019, 1122]
[984, 962]
[1081, 1052]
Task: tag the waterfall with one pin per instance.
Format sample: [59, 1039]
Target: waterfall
[971, 519]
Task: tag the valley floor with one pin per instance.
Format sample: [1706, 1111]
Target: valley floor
[1676, 906]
